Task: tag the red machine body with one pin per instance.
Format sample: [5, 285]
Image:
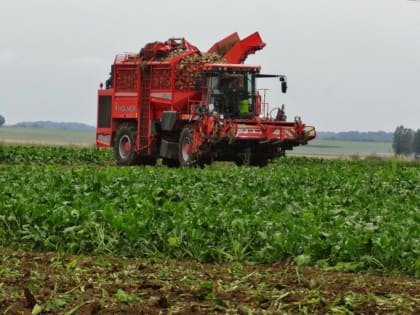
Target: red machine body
[172, 101]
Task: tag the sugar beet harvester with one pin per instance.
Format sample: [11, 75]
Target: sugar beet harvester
[172, 101]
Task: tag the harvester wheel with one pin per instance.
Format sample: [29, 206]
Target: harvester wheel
[185, 147]
[125, 145]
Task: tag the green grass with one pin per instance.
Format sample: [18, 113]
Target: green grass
[46, 136]
[349, 215]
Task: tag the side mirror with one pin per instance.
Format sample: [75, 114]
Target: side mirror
[283, 81]
[283, 86]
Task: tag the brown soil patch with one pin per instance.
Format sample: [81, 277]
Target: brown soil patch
[52, 283]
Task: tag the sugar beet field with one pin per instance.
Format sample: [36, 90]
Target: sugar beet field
[79, 235]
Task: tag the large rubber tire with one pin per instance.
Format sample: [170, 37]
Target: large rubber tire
[125, 145]
[185, 155]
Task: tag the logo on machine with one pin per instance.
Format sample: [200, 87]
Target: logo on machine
[125, 108]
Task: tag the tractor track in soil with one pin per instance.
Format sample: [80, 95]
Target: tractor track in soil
[55, 283]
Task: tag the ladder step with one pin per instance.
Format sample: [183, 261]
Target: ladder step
[145, 109]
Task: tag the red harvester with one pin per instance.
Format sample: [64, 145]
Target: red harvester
[172, 101]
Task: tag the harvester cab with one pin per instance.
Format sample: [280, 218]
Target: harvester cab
[230, 92]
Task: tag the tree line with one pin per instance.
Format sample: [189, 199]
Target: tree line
[406, 141]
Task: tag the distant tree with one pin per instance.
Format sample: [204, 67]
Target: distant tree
[403, 141]
[416, 143]
[2, 120]
[407, 141]
[396, 142]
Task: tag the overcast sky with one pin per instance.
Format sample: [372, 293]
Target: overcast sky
[351, 64]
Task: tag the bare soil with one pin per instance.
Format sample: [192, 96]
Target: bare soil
[54, 283]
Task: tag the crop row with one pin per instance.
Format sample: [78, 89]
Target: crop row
[53, 155]
[348, 214]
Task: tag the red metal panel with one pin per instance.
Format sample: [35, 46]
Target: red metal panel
[224, 45]
[125, 107]
[103, 135]
[247, 46]
[126, 79]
